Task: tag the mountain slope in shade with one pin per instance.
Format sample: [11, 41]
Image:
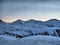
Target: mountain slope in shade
[2, 22]
[29, 23]
[4, 26]
[53, 22]
[34, 23]
[17, 22]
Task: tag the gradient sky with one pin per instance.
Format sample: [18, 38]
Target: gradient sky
[39, 10]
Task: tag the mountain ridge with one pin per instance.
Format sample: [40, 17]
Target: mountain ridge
[32, 20]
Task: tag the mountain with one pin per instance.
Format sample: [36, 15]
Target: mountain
[31, 27]
[2, 22]
[31, 32]
[53, 22]
[4, 26]
[29, 23]
[38, 27]
[34, 23]
[17, 22]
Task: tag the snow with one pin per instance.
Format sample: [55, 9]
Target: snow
[31, 31]
[7, 37]
[53, 22]
[32, 40]
[23, 27]
[40, 40]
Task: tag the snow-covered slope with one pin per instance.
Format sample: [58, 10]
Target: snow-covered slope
[34, 23]
[4, 26]
[2, 22]
[30, 28]
[32, 40]
[30, 32]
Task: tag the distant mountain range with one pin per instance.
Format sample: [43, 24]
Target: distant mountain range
[51, 22]
[31, 27]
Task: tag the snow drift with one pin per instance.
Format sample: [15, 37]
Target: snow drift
[32, 40]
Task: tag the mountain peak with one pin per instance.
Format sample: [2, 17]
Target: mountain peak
[17, 22]
[53, 20]
[1, 20]
[33, 20]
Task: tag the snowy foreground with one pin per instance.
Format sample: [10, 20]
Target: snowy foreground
[32, 40]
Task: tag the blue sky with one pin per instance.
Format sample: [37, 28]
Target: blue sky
[25, 10]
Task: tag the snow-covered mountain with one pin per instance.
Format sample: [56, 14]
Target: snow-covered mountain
[3, 25]
[30, 32]
[17, 22]
[31, 27]
[53, 23]
[2, 22]
[34, 23]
